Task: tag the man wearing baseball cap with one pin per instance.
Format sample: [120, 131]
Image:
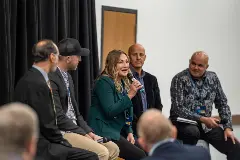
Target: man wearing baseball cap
[70, 122]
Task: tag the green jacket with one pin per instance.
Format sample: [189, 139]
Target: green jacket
[107, 112]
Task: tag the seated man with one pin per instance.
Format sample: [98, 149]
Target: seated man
[156, 139]
[35, 90]
[19, 132]
[193, 92]
[70, 122]
[150, 97]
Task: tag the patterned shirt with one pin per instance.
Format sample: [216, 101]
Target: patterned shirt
[188, 93]
[70, 112]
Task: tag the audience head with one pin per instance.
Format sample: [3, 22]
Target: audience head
[70, 53]
[117, 67]
[46, 52]
[198, 64]
[19, 130]
[153, 127]
[137, 56]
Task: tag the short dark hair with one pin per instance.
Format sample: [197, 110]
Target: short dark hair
[42, 49]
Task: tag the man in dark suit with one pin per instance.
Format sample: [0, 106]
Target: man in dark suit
[156, 140]
[150, 97]
[34, 89]
[70, 122]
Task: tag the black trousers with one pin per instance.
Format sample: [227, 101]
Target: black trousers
[54, 151]
[128, 151]
[190, 134]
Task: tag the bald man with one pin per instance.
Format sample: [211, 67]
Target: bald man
[157, 139]
[150, 98]
[193, 92]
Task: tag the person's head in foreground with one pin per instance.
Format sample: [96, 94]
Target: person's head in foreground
[153, 127]
[19, 131]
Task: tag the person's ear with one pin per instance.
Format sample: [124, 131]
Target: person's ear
[68, 59]
[143, 144]
[31, 147]
[174, 132]
[52, 57]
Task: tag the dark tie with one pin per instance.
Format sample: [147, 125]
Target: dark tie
[54, 107]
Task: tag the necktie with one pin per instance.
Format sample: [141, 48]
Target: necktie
[54, 107]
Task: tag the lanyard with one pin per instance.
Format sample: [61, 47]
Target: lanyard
[199, 92]
[128, 113]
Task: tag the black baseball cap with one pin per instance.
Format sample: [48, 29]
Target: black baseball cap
[70, 47]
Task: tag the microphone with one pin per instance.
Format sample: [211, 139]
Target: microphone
[104, 140]
[131, 78]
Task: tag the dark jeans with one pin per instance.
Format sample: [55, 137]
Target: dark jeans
[128, 151]
[190, 134]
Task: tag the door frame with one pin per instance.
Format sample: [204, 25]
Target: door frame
[115, 9]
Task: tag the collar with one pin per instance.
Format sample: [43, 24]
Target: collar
[45, 75]
[156, 145]
[63, 73]
[59, 69]
[135, 74]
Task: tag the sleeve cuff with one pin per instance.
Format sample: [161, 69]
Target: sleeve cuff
[130, 129]
[196, 117]
[225, 126]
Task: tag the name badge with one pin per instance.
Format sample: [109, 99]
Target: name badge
[201, 110]
[128, 121]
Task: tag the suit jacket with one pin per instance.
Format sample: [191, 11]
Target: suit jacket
[107, 112]
[177, 151]
[33, 90]
[153, 98]
[60, 94]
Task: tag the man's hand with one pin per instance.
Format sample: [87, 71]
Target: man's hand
[96, 137]
[92, 135]
[229, 134]
[210, 122]
[88, 136]
[130, 138]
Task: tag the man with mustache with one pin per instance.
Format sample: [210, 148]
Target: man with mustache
[193, 92]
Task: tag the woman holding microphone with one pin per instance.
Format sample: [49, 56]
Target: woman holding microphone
[111, 109]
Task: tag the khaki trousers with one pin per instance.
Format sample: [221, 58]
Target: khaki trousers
[105, 151]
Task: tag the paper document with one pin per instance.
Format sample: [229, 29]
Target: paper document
[183, 120]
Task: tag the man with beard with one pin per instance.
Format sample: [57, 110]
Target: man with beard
[71, 123]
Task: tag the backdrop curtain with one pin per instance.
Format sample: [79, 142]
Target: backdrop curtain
[24, 22]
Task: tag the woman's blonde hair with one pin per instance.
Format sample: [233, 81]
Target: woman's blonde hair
[110, 69]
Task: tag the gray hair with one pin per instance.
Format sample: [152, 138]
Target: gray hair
[18, 126]
[153, 126]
